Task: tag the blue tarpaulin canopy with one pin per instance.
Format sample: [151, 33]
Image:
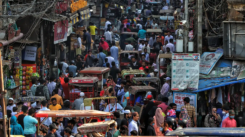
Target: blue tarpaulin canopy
[207, 84]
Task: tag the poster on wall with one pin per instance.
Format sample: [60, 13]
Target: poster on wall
[60, 31]
[30, 53]
[185, 71]
[178, 99]
[208, 61]
[238, 70]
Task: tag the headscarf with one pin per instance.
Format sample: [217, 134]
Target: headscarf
[159, 117]
[184, 115]
[16, 129]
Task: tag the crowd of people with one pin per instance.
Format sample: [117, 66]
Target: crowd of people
[158, 115]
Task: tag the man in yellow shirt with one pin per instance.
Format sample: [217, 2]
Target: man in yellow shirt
[57, 96]
[54, 105]
[92, 28]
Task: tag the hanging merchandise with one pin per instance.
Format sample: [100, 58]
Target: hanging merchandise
[219, 97]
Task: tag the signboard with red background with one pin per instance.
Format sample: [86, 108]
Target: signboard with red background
[60, 31]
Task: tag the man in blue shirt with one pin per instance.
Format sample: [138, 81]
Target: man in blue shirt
[114, 52]
[30, 123]
[87, 38]
[146, 70]
[142, 34]
[121, 92]
[101, 57]
[72, 68]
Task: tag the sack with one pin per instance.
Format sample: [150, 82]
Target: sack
[39, 91]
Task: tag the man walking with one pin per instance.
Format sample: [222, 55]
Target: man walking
[166, 87]
[190, 110]
[134, 124]
[230, 121]
[30, 124]
[87, 38]
[78, 102]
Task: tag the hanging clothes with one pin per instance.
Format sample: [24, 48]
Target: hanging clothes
[219, 97]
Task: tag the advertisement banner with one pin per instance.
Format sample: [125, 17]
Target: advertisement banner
[60, 31]
[208, 61]
[178, 99]
[185, 71]
[238, 70]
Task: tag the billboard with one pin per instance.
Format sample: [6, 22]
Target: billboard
[185, 71]
[208, 61]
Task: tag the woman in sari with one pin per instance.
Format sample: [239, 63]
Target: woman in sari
[184, 115]
[159, 121]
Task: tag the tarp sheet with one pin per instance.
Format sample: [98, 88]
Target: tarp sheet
[207, 84]
[208, 132]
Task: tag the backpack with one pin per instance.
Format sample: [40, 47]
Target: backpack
[39, 91]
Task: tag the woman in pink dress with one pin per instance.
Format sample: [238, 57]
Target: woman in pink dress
[159, 121]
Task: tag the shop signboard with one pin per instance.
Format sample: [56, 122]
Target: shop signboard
[238, 70]
[30, 53]
[178, 99]
[185, 71]
[221, 69]
[60, 31]
[208, 61]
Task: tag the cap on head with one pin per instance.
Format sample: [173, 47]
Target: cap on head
[168, 78]
[11, 99]
[126, 111]
[82, 94]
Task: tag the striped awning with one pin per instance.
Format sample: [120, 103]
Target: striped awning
[85, 14]
[74, 19]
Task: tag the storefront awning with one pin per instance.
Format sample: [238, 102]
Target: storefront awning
[74, 19]
[207, 84]
[85, 14]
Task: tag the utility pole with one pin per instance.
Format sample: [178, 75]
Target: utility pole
[2, 90]
[199, 26]
[186, 30]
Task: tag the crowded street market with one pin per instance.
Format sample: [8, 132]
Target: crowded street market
[111, 68]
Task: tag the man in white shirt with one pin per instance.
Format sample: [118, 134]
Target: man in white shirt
[48, 121]
[79, 41]
[108, 36]
[11, 104]
[133, 125]
[106, 24]
[141, 46]
[64, 66]
[129, 47]
[113, 106]
[168, 37]
[139, 26]
[171, 46]
[154, 25]
[110, 58]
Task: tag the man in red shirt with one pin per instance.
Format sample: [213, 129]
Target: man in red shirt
[103, 92]
[164, 105]
[230, 121]
[66, 88]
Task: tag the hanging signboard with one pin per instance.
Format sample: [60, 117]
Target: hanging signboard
[185, 71]
[30, 53]
[178, 99]
[238, 70]
[60, 31]
[208, 61]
